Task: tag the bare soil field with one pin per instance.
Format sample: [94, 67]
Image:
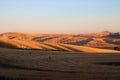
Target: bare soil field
[17, 64]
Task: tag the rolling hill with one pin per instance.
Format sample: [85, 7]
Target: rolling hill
[58, 42]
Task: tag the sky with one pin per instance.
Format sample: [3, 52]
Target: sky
[59, 16]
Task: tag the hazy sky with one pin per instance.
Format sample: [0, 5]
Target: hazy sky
[59, 16]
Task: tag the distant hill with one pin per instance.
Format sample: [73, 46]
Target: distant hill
[61, 42]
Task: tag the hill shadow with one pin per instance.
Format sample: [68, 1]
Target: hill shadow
[108, 63]
[49, 38]
[82, 42]
[7, 45]
[112, 42]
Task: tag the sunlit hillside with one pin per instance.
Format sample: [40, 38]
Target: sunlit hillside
[58, 42]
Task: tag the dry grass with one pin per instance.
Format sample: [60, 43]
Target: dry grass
[32, 64]
[99, 42]
[31, 44]
[25, 44]
[94, 40]
[54, 59]
[89, 49]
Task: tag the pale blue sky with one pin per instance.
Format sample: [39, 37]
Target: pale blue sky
[59, 16]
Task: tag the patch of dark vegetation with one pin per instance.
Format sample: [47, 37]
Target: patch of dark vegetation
[108, 63]
[117, 48]
[110, 48]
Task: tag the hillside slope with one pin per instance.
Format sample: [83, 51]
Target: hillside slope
[54, 42]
